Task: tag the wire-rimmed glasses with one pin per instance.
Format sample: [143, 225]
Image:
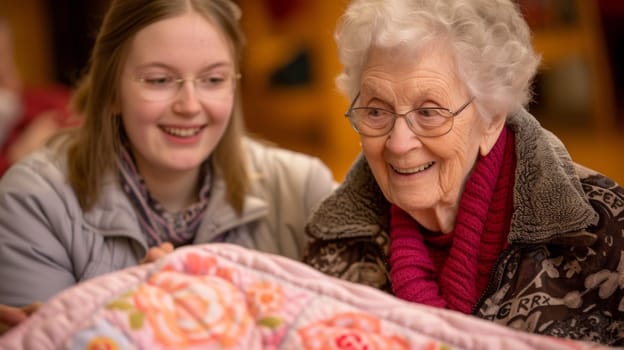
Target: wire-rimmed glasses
[424, 122]
[165, 87]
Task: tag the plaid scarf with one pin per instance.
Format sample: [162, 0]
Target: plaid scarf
[157, 224]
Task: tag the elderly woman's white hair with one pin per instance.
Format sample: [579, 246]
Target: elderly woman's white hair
[489, 39]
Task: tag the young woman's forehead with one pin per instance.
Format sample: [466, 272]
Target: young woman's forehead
[188, 39]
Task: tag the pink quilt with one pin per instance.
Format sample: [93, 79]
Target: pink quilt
[221, 296]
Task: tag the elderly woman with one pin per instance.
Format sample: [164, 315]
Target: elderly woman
[461, 199]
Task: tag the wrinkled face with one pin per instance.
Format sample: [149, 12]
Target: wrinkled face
[418, 173]
[176, 132]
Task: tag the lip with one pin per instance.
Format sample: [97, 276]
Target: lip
[412, 170]
[182, 134]
[181, 131]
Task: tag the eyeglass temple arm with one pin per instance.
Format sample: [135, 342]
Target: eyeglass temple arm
[460, 109]
[348, 112]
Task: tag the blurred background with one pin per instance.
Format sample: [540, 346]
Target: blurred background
[290, 65]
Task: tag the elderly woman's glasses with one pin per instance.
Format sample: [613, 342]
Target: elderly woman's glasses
[424, 122]
[164, 87]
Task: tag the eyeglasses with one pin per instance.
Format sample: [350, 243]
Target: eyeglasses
[424, 122]
[164, 87]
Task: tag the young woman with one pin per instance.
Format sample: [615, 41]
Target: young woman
[160, 160]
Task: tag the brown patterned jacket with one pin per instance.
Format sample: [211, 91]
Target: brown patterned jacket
[563, 272]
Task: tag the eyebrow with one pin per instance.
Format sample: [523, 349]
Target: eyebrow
[157, 64]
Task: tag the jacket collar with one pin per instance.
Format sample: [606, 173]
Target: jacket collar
[548, 198]
[114, 215]
[222, 217]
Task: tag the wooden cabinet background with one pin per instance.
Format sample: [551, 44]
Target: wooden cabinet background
[288, 79]
[575, 93]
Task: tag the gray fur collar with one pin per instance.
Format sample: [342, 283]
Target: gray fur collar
[548, 198]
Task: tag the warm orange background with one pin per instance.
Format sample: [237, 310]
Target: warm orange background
[310, 118]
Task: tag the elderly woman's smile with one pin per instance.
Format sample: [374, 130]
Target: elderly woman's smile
[411, 171]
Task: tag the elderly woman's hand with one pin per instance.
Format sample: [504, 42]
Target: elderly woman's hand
[12, 316]
[156, 253]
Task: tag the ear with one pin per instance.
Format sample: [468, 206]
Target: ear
[491, 132]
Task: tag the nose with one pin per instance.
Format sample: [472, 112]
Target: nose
[186, 101]
[401, 138]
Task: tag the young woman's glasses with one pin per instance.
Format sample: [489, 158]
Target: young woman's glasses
[424, 122]
[164, 87]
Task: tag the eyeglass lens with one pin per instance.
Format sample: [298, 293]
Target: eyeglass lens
[163, 87]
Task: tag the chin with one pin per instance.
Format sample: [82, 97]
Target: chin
[185, 165]
[422, 203]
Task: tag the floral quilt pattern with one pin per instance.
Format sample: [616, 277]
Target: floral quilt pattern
[221, 296]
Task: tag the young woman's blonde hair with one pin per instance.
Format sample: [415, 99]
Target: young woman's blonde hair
[95, 146]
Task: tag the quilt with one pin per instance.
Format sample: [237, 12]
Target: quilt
[222, 296]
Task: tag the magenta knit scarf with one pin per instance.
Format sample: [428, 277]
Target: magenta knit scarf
[452, 270]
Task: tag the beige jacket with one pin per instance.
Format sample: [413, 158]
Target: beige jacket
[47, 243]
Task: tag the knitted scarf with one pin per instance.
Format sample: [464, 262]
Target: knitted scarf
[452, 270]
[159, 225]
